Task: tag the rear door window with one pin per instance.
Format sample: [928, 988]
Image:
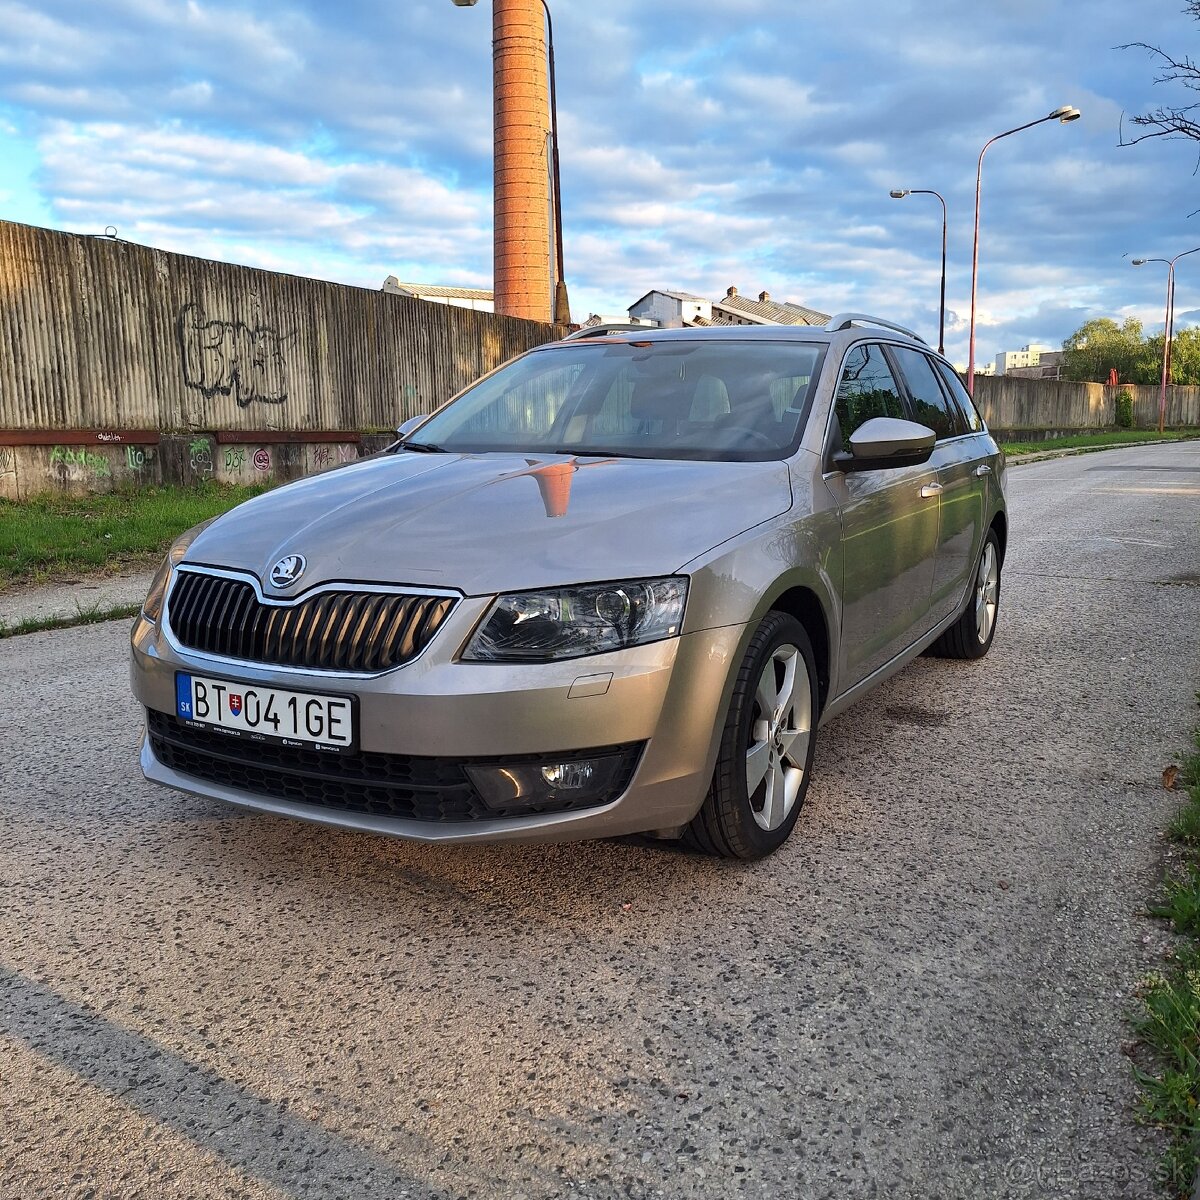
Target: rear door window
[930, 404]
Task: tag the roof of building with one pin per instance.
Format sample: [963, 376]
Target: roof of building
[685, 296]
[420, 290]
[764, 310]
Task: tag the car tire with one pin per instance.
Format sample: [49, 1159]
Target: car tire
[971, 635]
[769, 737]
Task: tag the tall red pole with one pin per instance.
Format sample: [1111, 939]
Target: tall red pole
[1168, 322]
[1168, 328]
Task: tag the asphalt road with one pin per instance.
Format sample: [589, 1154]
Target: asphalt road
[922, 996]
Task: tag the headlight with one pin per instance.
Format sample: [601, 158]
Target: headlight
[572, 622]
[152, 607]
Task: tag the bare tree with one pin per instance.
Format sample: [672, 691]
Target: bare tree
[1166, 121]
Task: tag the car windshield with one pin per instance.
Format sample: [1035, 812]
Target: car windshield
[664, 399]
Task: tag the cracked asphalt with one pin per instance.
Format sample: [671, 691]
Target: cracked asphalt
[923, 995]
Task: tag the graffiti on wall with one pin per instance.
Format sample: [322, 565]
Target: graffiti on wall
[97, 465]
[229, 358]
[8, 461]
[235, 458]
[200, 456]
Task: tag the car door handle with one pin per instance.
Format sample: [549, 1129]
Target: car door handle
[983, 469]
[930, 490]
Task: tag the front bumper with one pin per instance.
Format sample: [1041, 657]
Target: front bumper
[670, 696]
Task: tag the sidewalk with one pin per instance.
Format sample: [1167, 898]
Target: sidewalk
[55, 601]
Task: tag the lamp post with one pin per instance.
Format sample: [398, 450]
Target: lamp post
[562, 307]
[1065, 115]
[899, 195]
[1168, 328]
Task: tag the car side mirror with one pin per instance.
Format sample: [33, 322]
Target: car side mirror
[406, 427]
[884, 442]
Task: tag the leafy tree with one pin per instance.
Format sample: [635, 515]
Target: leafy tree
[1185, 357]
[1099, 346]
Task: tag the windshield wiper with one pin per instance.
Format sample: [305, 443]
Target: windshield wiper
[422, 447]
[590, 452]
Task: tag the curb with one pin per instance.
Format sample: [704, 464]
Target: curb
[59, 604]
[1032, 456]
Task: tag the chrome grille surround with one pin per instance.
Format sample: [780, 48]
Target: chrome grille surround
[342, 629]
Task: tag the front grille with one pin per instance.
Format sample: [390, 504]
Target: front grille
[363, 632]
[387, 785]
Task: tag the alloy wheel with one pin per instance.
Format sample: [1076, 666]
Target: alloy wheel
[987, 593]
[780, 728]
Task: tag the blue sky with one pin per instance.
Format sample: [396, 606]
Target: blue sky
[704, 143]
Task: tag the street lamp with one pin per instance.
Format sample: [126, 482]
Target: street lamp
[562, 307]
[899, 195]
[1168, 328]
[1065, 115]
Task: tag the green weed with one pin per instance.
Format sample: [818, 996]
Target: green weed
[55, 536]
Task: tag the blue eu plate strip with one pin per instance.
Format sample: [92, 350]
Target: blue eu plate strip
[183, 696]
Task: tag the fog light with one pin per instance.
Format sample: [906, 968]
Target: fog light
[568, 777]
[515, 787]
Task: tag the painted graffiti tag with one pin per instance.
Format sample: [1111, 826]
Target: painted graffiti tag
[200, 456]
[136, 457]
[230, 358]
[235, 458]
[322, 457]
[262, 460]
[7, 461]
[65, 456]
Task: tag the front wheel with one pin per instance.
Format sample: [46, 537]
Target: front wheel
[763, 767]
[971, 635]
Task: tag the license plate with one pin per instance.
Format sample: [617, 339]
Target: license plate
[302, 719]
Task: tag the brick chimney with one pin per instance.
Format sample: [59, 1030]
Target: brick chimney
[523, 271]
[764, 297]
[731, 292]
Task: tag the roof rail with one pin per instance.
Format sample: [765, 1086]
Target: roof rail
[605, 330]
[847, 320]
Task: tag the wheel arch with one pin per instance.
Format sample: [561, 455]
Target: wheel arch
[1000, 526]
[805, 605]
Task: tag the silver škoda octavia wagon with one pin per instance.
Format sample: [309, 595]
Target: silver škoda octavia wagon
[615, 586]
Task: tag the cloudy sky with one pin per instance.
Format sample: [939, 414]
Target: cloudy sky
[704, 143]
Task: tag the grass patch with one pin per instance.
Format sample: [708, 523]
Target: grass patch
[55, 536]
[1099, 441]
[1168, 1018]
[85, 616]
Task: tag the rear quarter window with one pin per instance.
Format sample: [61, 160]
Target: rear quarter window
[958, 393]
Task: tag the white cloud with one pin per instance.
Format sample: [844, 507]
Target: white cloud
[705, 142]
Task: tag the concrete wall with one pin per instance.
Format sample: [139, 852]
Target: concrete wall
[103, 335]
[188, 458]
[1012, 404]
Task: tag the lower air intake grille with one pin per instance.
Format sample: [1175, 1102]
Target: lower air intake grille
[362, 632]
[387, 785]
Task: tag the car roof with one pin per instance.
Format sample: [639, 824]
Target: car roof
[846, 327]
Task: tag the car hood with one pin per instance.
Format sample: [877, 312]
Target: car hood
[484, 523]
